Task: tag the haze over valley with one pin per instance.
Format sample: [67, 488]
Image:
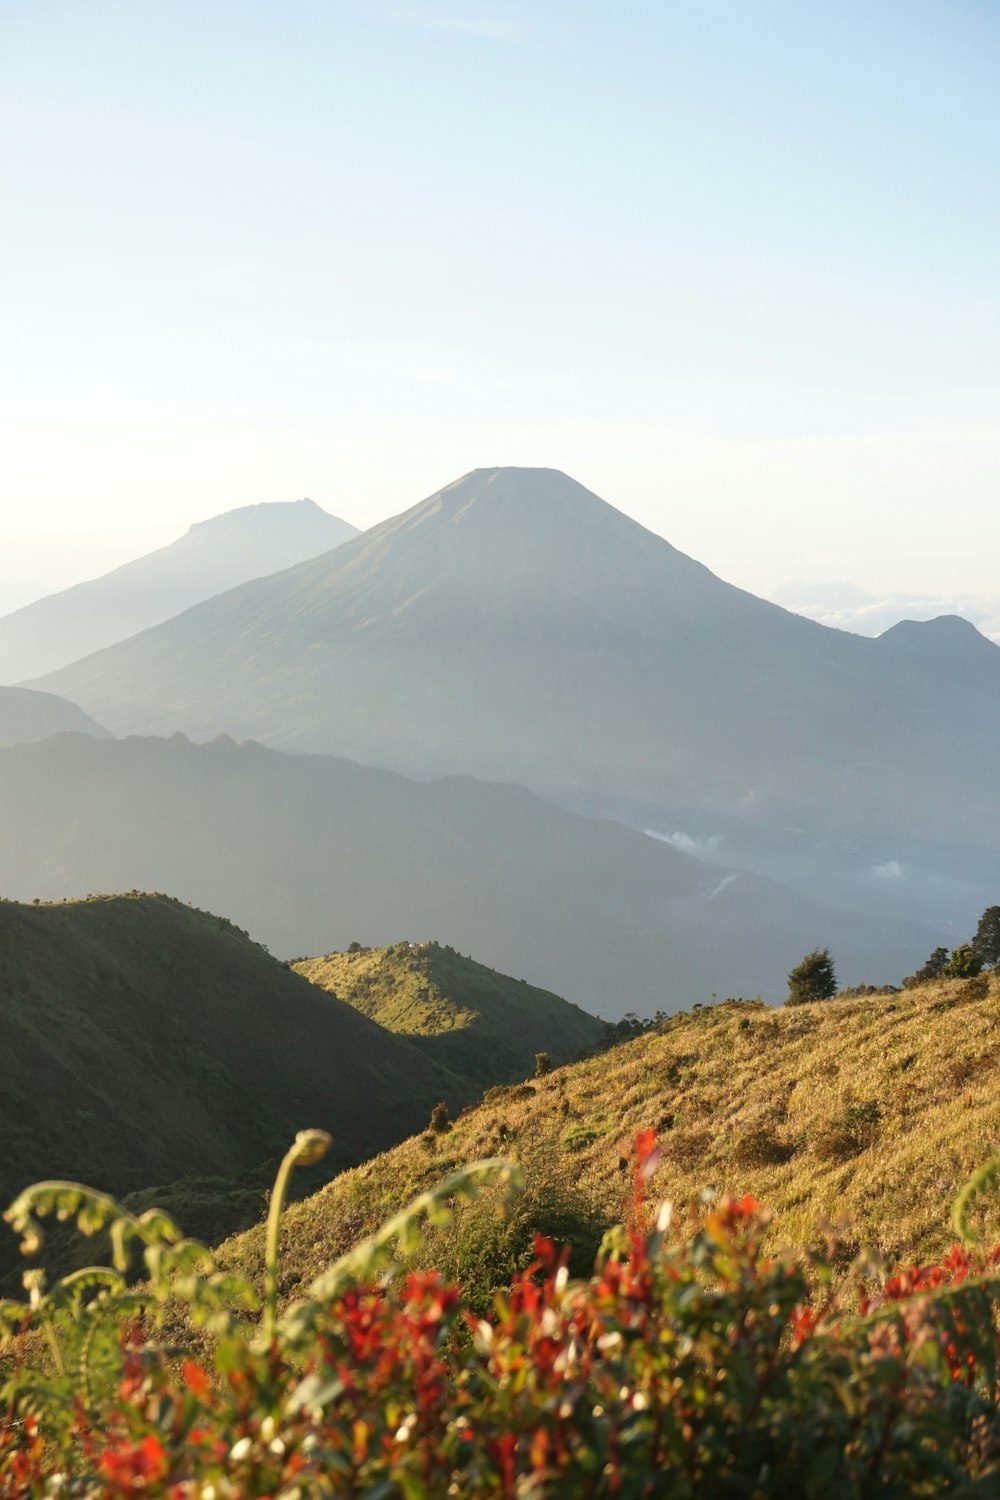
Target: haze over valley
[516, 627]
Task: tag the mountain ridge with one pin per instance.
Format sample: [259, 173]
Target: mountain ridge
[597, 665]
[138, 1030]
[314, 852]
[211, 557]
[27, 715]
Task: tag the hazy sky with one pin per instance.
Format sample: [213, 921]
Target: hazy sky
[735, 264]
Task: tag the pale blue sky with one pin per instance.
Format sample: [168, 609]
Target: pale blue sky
[735, 264]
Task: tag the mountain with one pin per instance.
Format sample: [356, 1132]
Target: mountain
[211, 557]
[515, 626]
[312, 853]
[26, 715]
[874, 1111]
[955, 656]
[144, 1040]
[478, 1023]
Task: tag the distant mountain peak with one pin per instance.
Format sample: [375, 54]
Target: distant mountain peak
[525, 494]
[210, 558]
[266, 510]
[944, 632]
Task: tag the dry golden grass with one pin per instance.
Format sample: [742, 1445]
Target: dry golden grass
[868, 1112]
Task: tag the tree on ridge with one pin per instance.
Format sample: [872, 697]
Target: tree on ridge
[812, 979]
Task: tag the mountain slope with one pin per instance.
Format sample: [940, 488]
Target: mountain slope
[144, 1040]
[517, 627]
[211, 557]
[312, 853]
[26, 715]
[479, 1023]
[872, 1111]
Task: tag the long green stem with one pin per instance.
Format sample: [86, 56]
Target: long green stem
[308, 1147]
[50, 1334]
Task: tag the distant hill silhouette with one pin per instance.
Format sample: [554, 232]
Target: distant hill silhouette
[478, 1023]
[517, 627]
[26, 715]
[211, 557]
[311, 853]
[953, 654]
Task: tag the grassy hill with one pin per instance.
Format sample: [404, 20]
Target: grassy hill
[145, 1041]
[481, 1024]
[871, 1111]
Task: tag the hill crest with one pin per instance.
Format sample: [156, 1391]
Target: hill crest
[480, 1023]
[873, 1109]
[174, 1044]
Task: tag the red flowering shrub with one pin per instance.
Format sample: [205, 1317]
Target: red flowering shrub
[688, 1367]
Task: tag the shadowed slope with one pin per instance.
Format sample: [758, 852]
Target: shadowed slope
[144, 1040]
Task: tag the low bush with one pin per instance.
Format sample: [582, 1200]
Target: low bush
[759, 1146]
[687, 1365]
[848, 1133]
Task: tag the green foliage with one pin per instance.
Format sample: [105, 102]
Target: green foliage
[689, 1363]
[812, 979]
[933, 968]
[987, 939]
[964, 963]
[846, 1134]
[578, 1137]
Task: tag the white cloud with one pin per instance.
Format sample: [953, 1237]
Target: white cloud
[706, 848]
[847, 607]
[891, 870]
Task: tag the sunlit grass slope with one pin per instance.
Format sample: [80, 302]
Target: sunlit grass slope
[869, 1111]
[481, 1024]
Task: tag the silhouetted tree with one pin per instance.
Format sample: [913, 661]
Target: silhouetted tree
[543, 1064]
[987, 939]
[932, 969]
[812, 979]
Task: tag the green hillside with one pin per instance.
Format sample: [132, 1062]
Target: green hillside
[481, 1024]
[145, 1041]
[868, 1111]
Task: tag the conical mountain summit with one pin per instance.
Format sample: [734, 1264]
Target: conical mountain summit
[516, 626]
